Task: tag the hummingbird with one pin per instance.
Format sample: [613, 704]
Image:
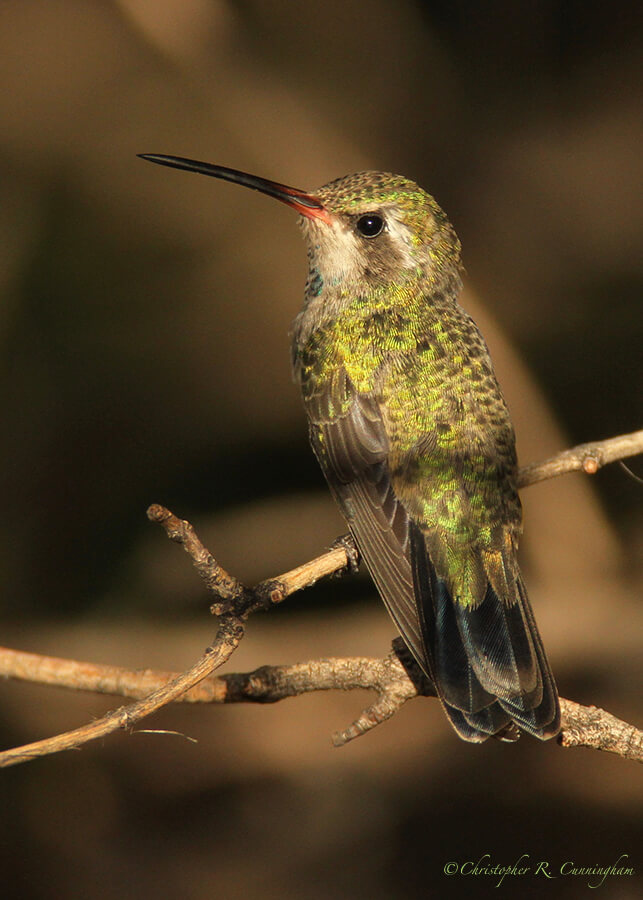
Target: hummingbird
[411, 430]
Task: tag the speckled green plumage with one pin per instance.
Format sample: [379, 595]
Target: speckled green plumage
[451, 445]
[410, 427]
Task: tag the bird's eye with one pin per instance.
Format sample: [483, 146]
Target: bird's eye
[370, 225]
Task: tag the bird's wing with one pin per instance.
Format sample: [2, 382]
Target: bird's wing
[349, 439]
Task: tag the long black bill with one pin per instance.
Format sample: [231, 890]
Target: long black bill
[305, 204]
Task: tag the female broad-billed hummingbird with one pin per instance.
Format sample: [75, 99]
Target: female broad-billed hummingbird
[413, 435]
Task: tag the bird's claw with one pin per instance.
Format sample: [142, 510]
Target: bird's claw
[346, 543]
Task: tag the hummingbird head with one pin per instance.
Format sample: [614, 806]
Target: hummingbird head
[381, 229]
[371, 228]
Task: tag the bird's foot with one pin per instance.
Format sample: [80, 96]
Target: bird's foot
[423, 684]
[353, 558]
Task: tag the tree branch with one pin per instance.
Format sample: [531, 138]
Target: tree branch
[588, 458]
[582, 726]
[395, 679]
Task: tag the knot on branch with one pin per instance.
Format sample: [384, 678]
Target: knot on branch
[591, 462]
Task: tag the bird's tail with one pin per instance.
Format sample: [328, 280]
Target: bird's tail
[486, 658]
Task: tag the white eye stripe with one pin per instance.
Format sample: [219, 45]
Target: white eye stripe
[401, 237]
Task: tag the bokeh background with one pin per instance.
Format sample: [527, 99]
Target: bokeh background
[145, 358]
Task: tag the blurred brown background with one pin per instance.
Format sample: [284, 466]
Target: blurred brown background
[144, 323]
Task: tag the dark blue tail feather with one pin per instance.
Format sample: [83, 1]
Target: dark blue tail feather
[487, 661]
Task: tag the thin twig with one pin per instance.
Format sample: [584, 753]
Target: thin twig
[229, 590]
[224, 586]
